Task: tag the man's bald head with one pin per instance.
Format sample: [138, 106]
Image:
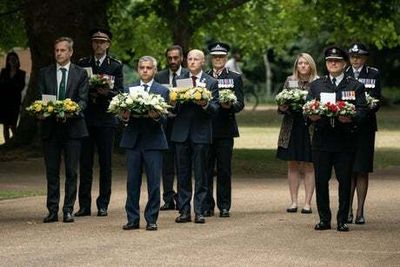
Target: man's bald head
[195, 61]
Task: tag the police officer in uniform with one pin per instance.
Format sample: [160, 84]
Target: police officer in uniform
[366, 135]
[224, 129]
[334, 140]
[100, 123]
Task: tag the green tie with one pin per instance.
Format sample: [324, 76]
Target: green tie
[61, 91]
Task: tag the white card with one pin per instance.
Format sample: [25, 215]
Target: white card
[201, 84]
[293, 84]
[89, 71]
[48, 98]
[184, 83]
[136, 89]
[328, 97]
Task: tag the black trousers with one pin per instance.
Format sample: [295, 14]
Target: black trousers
[342, 162]
[101, 138]
[190, 154]
[53, 150]
[220, 155]
[168, 174]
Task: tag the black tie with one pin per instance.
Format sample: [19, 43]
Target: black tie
[174, 79]
[98, 63]
[145, 86]
[61, 89]
[194, 80]
[334, 82]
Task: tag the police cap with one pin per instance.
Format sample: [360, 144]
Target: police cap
[101, 34]
[358, 49]
[335, 52]
[218, 48]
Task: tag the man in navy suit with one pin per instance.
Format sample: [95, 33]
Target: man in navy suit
[192, 134]
[144, 141]
[174, 56]
[101, 125]
[63, 80]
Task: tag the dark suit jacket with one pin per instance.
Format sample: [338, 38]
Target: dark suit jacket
[77, 90]
[224, 121]
[371, 79]
[163, 75]
[96, 113]
[192, 121]
[341, 137]
[147, 131]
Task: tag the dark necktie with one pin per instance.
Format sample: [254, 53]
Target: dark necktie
[145, 86]
[334, 82]
[61, 89]
[98, 63]
[356, 74]
[174, 79]
[194, 80]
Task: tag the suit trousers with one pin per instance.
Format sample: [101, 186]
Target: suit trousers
[151, 160]
[220, 155]
[190, 154]
[102, 139]
[168, 174]
[53, 149]
[342, 162]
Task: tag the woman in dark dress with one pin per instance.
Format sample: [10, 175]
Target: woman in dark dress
[294, 143]
[12, 82]
[364, 160]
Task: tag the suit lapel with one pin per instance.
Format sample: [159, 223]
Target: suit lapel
[71, 74]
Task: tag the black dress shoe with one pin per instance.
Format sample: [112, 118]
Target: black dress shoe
[291, 209]
[342, 227]
[199, 219]
[52, 217]
[102, 212]
[82, 212]
[350, 219]
[151, 227]
[168, 206]
[306, 211]
[224, 213]
[322, 226]
[183, 218]
[360, 220]
[131, 226]
[68, 218]
[208, 213]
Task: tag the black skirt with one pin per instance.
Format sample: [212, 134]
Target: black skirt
[299, 148]
[364, 161]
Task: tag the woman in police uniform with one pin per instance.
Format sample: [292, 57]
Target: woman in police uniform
[294, 140]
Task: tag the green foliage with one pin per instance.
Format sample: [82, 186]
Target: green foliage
[12, 32]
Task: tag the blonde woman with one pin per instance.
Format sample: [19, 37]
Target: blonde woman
[294, 144]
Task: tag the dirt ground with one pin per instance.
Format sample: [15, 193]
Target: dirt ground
[259, 233]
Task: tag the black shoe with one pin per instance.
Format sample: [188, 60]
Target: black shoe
[82, 212]
[151, 227]
[350, 219]
[291, 209]
[183, 218]
[360, 220]
[224, 213]
[131, 226]
[51, 217]
[168, 206]
[322, 226]
[306, 211]
[68, 218]
[102, 212]
[199, 219]
[208, 213]
[342, 227]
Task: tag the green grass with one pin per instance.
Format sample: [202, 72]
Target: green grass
[9, 194]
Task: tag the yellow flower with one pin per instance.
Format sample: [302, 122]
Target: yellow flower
[197, 95]
[50, 109]
[187, 95]
[173, 96]
[38, 108]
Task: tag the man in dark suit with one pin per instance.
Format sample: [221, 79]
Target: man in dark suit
[101, 125]
[144, 141]
[174, 55]
[334, 140]
[364, 161]
[224, 130]
[63, 80]
[192, 134]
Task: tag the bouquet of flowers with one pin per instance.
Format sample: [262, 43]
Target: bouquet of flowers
[199, 93]
[345, 109]
[371, 101]
[179, 95]
[157, 103]
[330, 109]
[227, 96]
[101, 81]
[313, 107]
[60, 109]
[294, 98]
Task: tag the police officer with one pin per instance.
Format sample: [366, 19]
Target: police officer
[363, 164]
[334, 140]
[224, 129]
[101, 125]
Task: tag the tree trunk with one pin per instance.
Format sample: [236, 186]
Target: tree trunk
[45, 21]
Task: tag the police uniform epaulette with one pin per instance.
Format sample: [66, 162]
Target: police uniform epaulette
[351, 78]
[229, 70]
[372, 68]
[84, 59]
[348, 68]
[116, 60]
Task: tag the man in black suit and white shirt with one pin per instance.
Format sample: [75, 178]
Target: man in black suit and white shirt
[63, 80]
[174, 55]
[192, 134]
